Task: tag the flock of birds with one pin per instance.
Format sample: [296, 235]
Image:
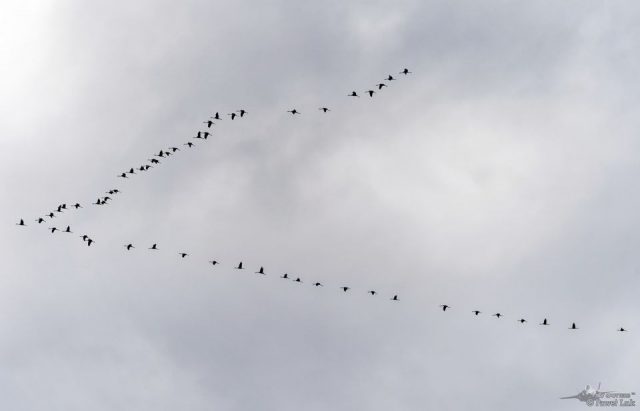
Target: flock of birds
[204, 135]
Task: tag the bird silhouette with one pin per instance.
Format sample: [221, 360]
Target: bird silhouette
[59, 209]
[345, 289]
[154, 161]
[89, 242]
[293, 112]
[154, 247]
[129, 246]
[51, 215]
[21, 222]
[174, 149]
[372, 292]
[297, 280]
[214, 262]
[189, 144]
[405, 72]
[573, 326]
[68, 230]
[209, 123]
[239, 267]
[380, 85]
[353, 94]
[217, 116]
[84, 237]
[161, 153]
[77, 206]
[395, 298]
[371, 93]
[233, 115]
[621, 329]
[199, 135]
[123, 175]
[53, 229]
[522, 321]
[476, 312]
[242, 112]
[544, 322]
[183, 255]
[318, 284]
[390, 78]
[40, 220]
[444, 307]
[324, 109]
[260, 271]
[285, 276]
[498, 315]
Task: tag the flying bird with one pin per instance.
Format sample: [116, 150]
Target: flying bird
[498, 315]
[53, 229]
[522, 321]
[285, 276]
[89, 241]
[345, 289]
[189, 144]
[68, 230]
[395, 298]
[214, 262]
[318, 284]
[390, 78]
[444, 307]
[77, 206]
[260, 271]
[51, 215]
[123, 175]
[405, 72]
[183, 255]
[372, 292]
[622, 329]
[21, 222]
[154, 247]
[573, 326]
[370, 92]
[293, 112]
[380, 85]
[476, 312]
[353, 94]
[233, 115]
[40, 220]
[129, 246]
[242, 112]
[239, 267]
[324, 109]
[217, 116]
[209, 123]
[297, 280]
[544, 322]
[84, 237]
[174, 149]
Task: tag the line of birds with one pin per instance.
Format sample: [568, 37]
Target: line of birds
[204, 135]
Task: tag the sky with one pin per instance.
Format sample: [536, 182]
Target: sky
[499, 175]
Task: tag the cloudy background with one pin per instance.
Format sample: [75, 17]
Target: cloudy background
[501, 176]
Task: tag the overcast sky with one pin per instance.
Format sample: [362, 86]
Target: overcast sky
[501, 175]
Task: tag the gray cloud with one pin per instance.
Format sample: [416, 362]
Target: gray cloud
[498, 176]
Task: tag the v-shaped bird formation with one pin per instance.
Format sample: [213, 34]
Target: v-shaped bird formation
[203, 135]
